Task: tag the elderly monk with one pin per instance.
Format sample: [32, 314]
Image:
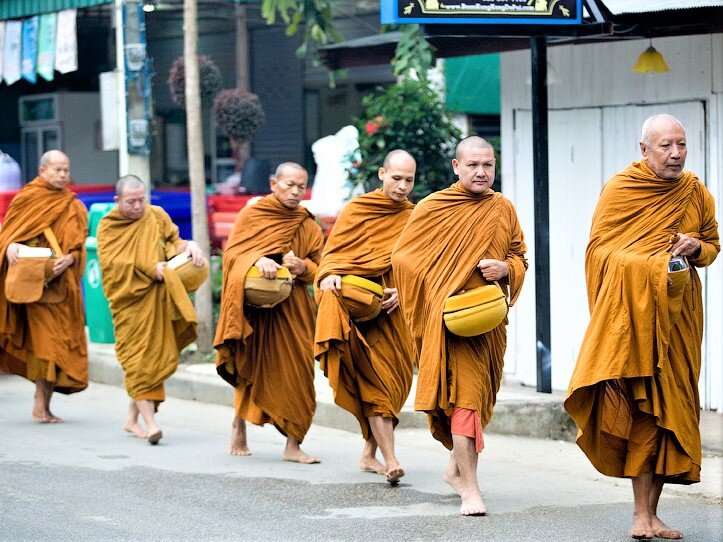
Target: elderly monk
[457, 239]
[368, 364]
[266, 353]
[634, 390]
[45, 341]
[153, 317]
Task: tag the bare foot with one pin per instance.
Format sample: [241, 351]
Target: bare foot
[472, 505]
[154, 435]
[371, 465]
[661, 530]
[394, 475]
[136, 429]
[452, 477]
[298, 456]
[238, 444]
[45, 416]
[642, 528]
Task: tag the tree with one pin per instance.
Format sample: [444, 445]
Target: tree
[197, 177]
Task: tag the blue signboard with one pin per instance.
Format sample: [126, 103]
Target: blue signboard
[527, 12]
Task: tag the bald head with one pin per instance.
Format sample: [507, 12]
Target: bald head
[128, 181]
[289, 184]
[131, 197]
[397, 175]
[54, 169]
[471, 143]
[398, 154]
[663, 146]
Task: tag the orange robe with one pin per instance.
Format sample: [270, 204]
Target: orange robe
[449, 232]
[642, 348]
[46, 341]
[266, 354]
[153, 320]
[369, 364]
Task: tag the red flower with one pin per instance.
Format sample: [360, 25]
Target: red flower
[371, 127]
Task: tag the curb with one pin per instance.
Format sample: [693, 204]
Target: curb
[519, 411]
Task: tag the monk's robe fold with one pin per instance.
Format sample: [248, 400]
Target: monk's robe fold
[153, 320]
[369, 364]
[46, 340]
[266, 354]
[633, 354]
[449, 232]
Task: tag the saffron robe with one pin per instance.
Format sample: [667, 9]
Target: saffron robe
[46, 341]
[267, 354]
[369, 364]
[153, 320]
[642, 347]
[436, 256]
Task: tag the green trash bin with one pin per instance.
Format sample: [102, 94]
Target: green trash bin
[97, 313]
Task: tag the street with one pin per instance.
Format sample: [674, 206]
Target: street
[86, 479]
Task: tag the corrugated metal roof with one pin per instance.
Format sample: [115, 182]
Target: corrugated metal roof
[15, 9]
[619, 7]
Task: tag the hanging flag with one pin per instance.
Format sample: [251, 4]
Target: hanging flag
[2, 48]
[30, 49]
[46, 46]
[66, 42]
[11, 54]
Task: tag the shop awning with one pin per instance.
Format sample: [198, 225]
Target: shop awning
[15, 9]
[473, 84]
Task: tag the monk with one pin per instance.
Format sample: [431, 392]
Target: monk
[368, 364]
[153, 317]
[267, 353]
[634, 390]
[457, 239]
[45, 341]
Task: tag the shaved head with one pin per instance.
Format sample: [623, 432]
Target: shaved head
[52, 156]
[286, 167]
[471, 143]
[397, 153]
[653, 124]
[128, 181]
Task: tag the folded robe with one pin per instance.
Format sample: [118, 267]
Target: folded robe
[46, 340]
[369, 365]
[449, 232]
[266, 354]
[153, 320]
[636, 352]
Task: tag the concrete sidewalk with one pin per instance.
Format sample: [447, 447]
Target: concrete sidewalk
[520, 410]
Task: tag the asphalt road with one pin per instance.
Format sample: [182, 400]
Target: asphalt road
[86, 479]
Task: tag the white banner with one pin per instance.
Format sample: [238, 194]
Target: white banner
[11, 54]
[46, 45]
[2, 48]
[66, 42]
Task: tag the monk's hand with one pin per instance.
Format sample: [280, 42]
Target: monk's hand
[391, 303]
[160, 267]
[493, 269]
[197, 255]
[12, 253]
[331, 282]
[62, 263]
[684, 245]
[296, 265]
[268, 267]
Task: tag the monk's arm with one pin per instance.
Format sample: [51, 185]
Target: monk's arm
[515, 258]
[707, 236]
[313, 258]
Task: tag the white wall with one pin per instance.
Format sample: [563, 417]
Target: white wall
[597, 108]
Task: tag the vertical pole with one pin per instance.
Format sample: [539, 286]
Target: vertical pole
[538, 48]
[194, 139]
[121, 81]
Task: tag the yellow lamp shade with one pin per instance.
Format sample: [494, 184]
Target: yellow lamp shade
[266, 293]
[651, 61]
[476, 311]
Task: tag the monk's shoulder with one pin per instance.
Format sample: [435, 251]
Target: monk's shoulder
[160, 213]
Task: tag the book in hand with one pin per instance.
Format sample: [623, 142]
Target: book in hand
[178, 260]
[34, 252]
